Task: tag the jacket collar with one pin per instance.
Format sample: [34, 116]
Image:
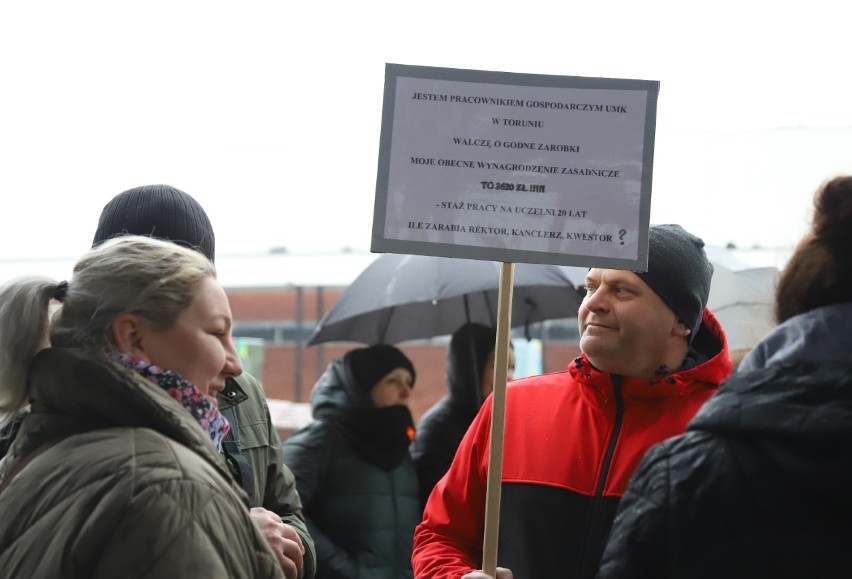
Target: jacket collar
[820, 335]
[75, 391]
[707, 374]
[231, 395]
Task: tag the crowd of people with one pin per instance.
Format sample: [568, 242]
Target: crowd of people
[134, 444]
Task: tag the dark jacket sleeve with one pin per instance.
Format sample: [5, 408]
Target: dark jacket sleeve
[309, 454]
[439, 434]
[275, 485]
[282, 497]
[639, 539]
[430, 467]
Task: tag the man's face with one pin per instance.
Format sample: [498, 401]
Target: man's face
[625, 328]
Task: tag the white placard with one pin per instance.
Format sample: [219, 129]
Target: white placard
[515, 167]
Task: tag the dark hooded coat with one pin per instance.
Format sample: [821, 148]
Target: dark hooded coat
[442, 427]
[759, 486]
[361, 516]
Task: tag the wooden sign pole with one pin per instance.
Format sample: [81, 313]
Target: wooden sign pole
[498, 416]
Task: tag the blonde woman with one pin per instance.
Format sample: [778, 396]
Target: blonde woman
[115, 470]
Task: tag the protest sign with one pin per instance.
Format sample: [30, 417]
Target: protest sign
[515, 167]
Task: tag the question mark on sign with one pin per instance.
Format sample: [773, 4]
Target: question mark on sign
[621, 234]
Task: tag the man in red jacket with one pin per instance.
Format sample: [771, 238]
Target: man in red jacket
[651, 355]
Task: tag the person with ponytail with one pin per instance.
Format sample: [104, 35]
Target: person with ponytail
[759, 486]
[115, 468]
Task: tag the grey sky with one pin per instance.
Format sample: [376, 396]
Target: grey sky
[269, 112]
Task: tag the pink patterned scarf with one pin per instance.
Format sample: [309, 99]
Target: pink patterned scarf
[185, 392]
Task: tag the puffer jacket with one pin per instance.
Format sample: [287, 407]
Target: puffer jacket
[759, 486]
[361, 517]
[129, 484]
[270, 484]
[442, 427]
[572, 440]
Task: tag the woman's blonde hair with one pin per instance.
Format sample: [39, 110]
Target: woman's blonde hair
[153, 279]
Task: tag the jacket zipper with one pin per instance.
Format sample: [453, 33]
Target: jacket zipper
[585, 564]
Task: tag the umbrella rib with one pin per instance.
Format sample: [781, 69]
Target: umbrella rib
[490, 311]
[385, 326]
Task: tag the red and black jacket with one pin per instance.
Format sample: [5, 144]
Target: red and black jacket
[572, 441]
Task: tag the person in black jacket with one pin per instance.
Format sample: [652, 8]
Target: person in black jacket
[352, 467]
[759, 484]
[470, 377]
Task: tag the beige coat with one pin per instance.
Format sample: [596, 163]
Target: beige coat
[132, 487]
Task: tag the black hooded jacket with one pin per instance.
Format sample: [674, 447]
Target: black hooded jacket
[360, 515]
[761, 483]
[442, 427]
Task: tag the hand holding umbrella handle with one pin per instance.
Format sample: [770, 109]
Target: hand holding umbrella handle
[498, 416]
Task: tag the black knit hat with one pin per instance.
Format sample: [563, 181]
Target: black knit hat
[679, 272]
[160, 211]
[369, 365]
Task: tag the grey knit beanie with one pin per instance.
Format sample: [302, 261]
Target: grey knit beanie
[679, 272]
[160, 211]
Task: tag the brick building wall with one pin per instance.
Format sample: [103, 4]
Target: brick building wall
[291, 368]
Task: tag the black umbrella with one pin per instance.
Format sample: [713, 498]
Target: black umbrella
[407, 297]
